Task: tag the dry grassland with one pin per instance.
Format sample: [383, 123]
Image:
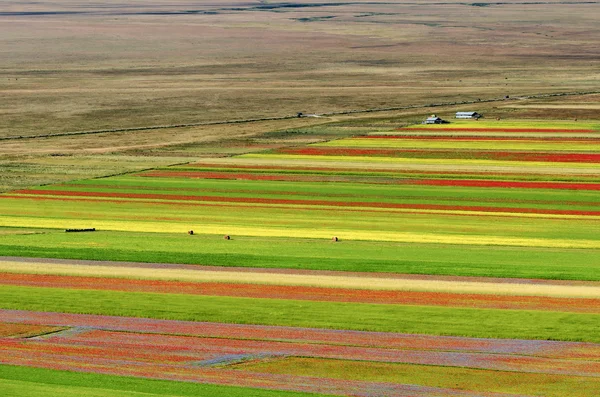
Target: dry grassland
[70, 66]
[75, 66]
[31, 162]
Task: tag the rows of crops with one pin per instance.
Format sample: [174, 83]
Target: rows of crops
[260, 356]
[372, 265]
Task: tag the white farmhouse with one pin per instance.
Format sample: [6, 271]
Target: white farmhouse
[467, 115]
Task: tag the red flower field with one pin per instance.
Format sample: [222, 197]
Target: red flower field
[351, 204]
[307, 293]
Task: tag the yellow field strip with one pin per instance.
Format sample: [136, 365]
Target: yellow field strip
[365, 235]
[409, 164]
[399, 160]
[326, 281]
[515, 214]
[514, 123]
[561, 106]
[450, 144]
[494, 134]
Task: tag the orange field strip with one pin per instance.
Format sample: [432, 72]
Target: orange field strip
[120, 349]
[352, 204]
[387, 340]
[196, 274]
[17, 330]
[390, 181]
[186, 350]
[307, 293]
[496, 129]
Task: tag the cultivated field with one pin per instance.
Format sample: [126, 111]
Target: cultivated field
[459, 260]
[353, 252]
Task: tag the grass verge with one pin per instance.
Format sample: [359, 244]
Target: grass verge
[38, 382]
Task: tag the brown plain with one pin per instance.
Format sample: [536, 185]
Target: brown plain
[71, 66]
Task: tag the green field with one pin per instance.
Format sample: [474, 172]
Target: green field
[173, 129]
[296, 253]
[39, 382]
[387, 214]
[478, 323]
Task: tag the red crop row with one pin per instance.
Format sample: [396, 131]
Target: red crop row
[452, 154]
[219, 347]
[234, 377]
[567, 350]
[446, 138]
[506, 184]
[233, 175]
[307, 293]
[356, 172]
[352, 204]
[110, 351]
[493, 129]
[142, 350]
[137, 349]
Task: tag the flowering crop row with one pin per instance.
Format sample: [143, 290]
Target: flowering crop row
[134, 348]
[458, 154]
[466, 144]
[189, 278]
[232, 377]
[460, 138]
[382, 180]
[384, 340]
[491, 129]
[584, 305]
[359, 204]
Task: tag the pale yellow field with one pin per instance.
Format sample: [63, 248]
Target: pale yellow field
[474, 133]
[15, 211]
[594, 106]
[453, 144]
[431, 284]
[410, 164]
[513, 122]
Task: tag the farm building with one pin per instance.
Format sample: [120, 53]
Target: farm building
[434, 120]
[467, 115]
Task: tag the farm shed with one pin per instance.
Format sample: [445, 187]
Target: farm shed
[434, 120]
[467, 115]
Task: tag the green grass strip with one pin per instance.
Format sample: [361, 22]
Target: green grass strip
[361, 256]
[39, 382]
[484, 323]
